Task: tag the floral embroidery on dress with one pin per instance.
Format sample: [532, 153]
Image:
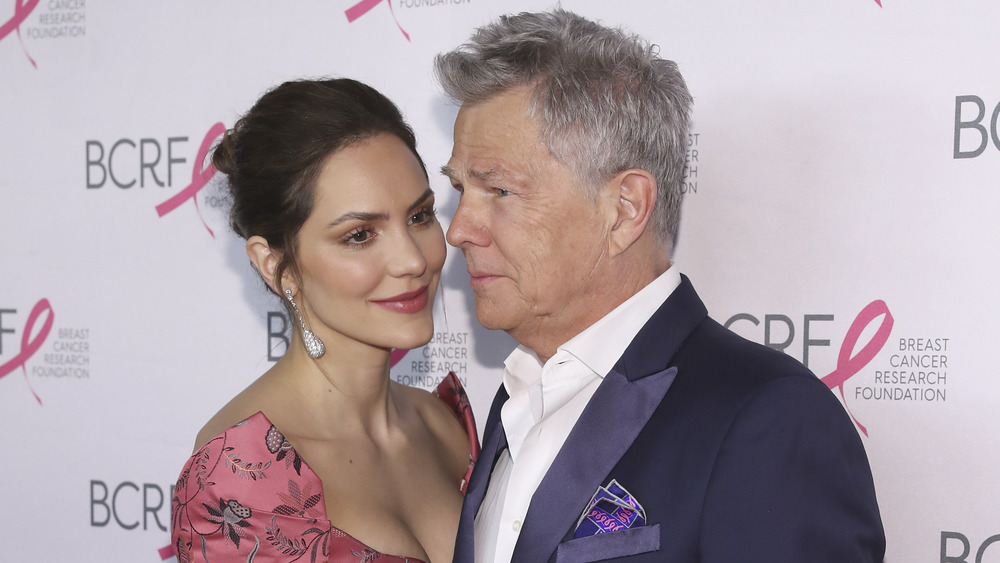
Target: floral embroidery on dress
[299, 501]
[277, 444]
[232, 503]
[229, 514]
[297, 547]
[245, 469]
[367, 555]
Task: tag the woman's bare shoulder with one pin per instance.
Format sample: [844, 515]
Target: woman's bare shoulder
[441, 422]
[247, 403]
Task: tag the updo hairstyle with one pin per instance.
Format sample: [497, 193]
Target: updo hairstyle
[274, 153]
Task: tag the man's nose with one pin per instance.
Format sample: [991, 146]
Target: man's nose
[468, 226]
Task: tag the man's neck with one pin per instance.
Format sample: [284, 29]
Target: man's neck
[546, 335]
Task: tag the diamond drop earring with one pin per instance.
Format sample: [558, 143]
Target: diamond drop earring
[314, 345]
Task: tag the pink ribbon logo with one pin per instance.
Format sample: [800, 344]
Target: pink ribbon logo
[199, 178]
[31, 345]
[365, 6]
[22, 9]
[847, 365]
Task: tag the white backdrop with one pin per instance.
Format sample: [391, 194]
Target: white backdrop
[844, 153]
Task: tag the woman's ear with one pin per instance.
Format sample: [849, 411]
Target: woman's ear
[636, 191]
[265, 259]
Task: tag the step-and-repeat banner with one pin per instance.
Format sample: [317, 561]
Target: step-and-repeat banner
[842, 202]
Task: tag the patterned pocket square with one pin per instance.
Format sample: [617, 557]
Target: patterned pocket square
[612, 508]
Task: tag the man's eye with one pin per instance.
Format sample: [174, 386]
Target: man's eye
[502, 192]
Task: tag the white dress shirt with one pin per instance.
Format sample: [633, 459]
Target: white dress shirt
[544, 405]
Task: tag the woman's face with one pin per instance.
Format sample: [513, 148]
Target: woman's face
[371, 252]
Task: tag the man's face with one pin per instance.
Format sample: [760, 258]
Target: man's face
[530, 234]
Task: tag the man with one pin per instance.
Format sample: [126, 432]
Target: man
[569, 152]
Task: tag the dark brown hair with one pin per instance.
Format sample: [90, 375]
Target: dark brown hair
[271, 157]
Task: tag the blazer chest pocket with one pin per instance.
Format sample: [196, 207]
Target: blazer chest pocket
[622, 543]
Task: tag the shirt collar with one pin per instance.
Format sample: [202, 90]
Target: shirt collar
[523, 368]
[601, 344]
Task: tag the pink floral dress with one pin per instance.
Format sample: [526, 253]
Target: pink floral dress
[247, 496]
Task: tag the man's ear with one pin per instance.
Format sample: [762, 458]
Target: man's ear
[266, 259]
[636, 196]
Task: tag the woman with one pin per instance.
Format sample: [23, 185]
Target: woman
[324, 458]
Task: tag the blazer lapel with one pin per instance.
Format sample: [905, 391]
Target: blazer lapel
[494, 442]
[618, 411]
[616, 414]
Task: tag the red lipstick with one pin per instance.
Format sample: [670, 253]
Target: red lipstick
[407, 303]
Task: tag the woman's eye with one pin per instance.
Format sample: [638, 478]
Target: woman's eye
[502, 192]
[360, 236]
[422, 216]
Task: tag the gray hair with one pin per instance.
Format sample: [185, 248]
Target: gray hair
[604, 99]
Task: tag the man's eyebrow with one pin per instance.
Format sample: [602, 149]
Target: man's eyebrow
[448, 171]
[481, 175]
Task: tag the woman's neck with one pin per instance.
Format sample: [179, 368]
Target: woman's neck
[347, 389]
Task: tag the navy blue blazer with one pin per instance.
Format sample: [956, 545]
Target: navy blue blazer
[735, 451]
